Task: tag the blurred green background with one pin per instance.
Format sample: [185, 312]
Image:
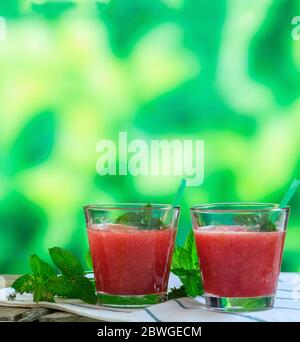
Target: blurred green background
[75, 72]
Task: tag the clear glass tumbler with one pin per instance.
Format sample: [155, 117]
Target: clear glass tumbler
[131, 247]
[240, 249]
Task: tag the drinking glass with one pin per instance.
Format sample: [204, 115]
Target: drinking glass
[131, 247]
[240, 249]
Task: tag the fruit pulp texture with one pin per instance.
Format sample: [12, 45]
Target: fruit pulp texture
[239, 263]
[129, 261]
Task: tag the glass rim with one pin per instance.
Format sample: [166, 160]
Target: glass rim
[261, 207]
[129, 206]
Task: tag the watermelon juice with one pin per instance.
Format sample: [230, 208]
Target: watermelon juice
[130, 261]
[240, 248]
[239, 263]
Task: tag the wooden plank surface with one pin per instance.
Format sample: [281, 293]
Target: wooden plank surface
[65, 317]
[34, 314]
[12, 314]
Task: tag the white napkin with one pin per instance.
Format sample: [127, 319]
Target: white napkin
[287, 307]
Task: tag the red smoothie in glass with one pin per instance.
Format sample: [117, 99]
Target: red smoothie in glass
[128, 261]
[239, 263]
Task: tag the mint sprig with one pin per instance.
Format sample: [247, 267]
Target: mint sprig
[143, 219]
[45, 284]
[186, 266]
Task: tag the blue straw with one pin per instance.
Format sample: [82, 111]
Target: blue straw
[289, 194]
[179, 193]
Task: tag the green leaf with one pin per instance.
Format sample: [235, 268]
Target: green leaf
[190, 245]
[44, 284]
[42, 272]
[62, 287]
[185, 259]
[24, 284]
[66, 262]
[130, 219]
[186, 266]
[84, 290]
[193, 283]
[41, 291]
[176, 259]
[190, 241]
[40, 268]
[78, 287]
[195, 259]
[142, 220]
[180, 272]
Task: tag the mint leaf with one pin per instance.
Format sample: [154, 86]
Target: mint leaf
[130, 219]
[183, 259]
[62, 287]
[24, 284]
[66, 262]
[143, 219]
[44, 284]
[42, 272]
[192, 283]
[190, 241]
[72, 283]
[186, 257]
[78, 287]
[190, 246]
[151, 223]
[40, 268]
[186, 266]
[41, 291]
[84, 290]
